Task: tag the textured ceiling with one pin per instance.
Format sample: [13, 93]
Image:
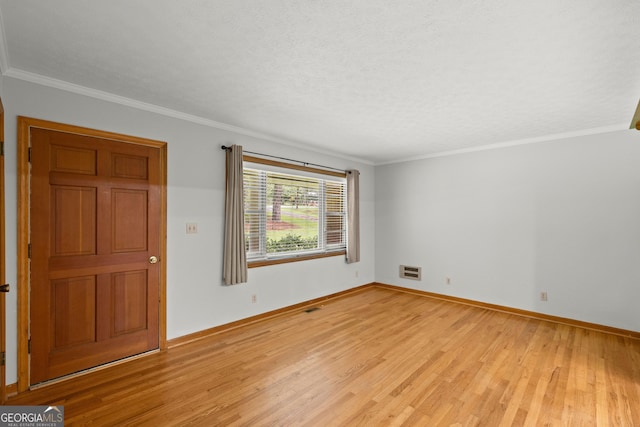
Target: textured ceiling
[376, 80]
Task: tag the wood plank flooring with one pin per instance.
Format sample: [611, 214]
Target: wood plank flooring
[375, 357]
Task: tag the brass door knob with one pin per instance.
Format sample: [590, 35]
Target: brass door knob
[153, 259]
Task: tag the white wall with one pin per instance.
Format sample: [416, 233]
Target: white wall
[561, 217]
[196, 298]
[505, 224]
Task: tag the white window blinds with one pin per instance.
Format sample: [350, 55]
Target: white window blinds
[289, 212]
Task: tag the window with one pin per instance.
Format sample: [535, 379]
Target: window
[292, 212]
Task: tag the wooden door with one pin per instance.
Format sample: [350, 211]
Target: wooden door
[3, 382]
[95, 246]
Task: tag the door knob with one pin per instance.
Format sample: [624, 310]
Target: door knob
[4, 288]
[153, 259]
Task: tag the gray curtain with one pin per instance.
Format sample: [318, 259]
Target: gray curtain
[235, 257]
[353, 216]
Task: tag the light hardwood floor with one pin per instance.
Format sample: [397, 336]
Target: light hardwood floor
[375, 357]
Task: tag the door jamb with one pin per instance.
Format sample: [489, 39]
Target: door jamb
[3, 302]
[24, 177]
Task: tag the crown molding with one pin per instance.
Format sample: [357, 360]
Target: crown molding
[513, 143]
[117, 99]
[129, 102]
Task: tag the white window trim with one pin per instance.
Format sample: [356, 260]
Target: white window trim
[264, 258]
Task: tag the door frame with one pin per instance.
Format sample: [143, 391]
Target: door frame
[3, 302]
[24, 184]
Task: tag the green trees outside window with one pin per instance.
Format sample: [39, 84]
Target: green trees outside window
[292, 214]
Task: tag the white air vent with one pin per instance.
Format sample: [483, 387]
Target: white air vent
[413, 273]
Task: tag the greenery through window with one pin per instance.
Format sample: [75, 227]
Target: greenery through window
[292, 213]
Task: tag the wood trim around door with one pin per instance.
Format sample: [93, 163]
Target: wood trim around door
[24, 173]
[3, 326]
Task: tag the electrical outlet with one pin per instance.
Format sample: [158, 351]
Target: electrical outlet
[543, 296]
[254, 298]
[192, 228]
[447, 280]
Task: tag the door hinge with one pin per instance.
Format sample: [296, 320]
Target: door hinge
[29, 154]
[4, 359]
[29, 346]
[29, 251]
[2, 148]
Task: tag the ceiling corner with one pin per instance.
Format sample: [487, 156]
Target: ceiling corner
[4, 51]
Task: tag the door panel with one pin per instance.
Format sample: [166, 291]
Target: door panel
[129, 299]
[73, 215]
[74, 313]
[73, 160]
[95, 222]
[129, 233]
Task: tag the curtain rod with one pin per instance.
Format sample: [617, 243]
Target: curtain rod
[224, 147]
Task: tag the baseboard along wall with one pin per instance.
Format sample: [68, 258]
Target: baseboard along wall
[12, 388]
[516, 311]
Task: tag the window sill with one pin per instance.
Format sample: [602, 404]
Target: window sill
[265, 262]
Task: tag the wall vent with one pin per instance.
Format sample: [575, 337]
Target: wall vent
[413, 273]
